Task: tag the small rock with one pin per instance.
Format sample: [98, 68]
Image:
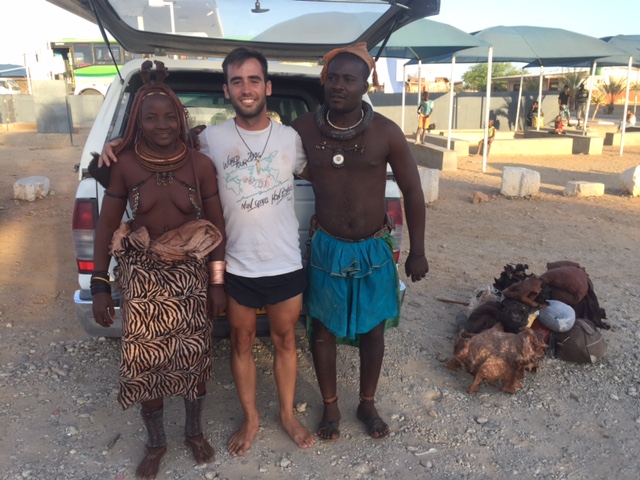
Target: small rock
[301, 407]
[432, 395]
[482, 420]
[479, 197]
[285, 462]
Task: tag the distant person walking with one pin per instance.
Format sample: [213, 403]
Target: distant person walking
[563, 104]
[582, 96]
[424, 112]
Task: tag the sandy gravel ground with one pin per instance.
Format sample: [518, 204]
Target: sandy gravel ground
[59, 418]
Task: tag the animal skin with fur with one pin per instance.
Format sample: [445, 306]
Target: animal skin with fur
[494, 355]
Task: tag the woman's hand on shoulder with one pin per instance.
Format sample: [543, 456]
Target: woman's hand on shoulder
[107, 156]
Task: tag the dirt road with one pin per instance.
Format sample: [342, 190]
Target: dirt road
[59, 418]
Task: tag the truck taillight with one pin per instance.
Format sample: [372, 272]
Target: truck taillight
[83, 224]
[394, 207]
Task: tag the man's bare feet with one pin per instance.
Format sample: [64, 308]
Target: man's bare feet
[150, 464]
[329, 428]
[367, 414]
[200, 448]
[242, 439]
[299, 434]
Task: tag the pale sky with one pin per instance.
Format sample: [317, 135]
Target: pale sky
[29, 24]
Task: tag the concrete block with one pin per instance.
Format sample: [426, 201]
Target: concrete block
[31, 188]
[458, 145]
[590, 144]
[630, 180]
[614, 138]
[584, 189]
[432, 156]
[430, 181]
[587, 145]
[519, 182]
[549, 145]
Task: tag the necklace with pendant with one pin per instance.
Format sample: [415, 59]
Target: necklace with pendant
[338, 153]
[335, 132]
[257, 156]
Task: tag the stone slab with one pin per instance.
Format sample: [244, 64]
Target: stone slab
[584, 189]
[630, 180]
[519, 182]
[31, 188]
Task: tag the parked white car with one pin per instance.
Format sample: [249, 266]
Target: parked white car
[198, 82]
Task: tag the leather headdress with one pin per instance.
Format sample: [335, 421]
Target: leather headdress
[360, 50]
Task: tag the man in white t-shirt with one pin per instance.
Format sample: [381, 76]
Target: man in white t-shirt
[255, 160]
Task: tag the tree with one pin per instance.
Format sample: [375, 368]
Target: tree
[597, 99]
[574, 78]
[530, 84]
[613, 89]
[475, 78]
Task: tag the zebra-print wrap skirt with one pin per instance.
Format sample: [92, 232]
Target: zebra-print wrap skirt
[166, 341]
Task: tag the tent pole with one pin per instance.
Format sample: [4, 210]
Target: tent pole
[453, 64]
[519, 101]
[635, 98]
[626, 106]
[404, 88]
[419, 92]
[586, 116]
[540, 96]
[487, 110]
[419, 81]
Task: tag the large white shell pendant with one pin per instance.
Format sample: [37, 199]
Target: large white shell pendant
[338, 158]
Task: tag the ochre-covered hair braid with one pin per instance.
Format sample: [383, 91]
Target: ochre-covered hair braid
[151, 88]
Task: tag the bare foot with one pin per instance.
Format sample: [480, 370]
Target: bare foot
[299, 434]
[329, 428]
[242, 439]
[200, 448]
[367, 414]
[150, 464]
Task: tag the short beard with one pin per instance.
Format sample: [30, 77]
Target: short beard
[242, 113]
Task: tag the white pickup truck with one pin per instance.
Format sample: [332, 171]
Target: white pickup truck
[198, 82]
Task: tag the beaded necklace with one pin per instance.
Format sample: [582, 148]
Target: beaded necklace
[162, 164]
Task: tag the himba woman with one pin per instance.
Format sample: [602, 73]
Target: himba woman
[170, 269]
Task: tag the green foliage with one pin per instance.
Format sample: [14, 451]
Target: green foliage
[530, 84]
[613, 88]
[574, 78]
[475, 78]
[597, 99]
